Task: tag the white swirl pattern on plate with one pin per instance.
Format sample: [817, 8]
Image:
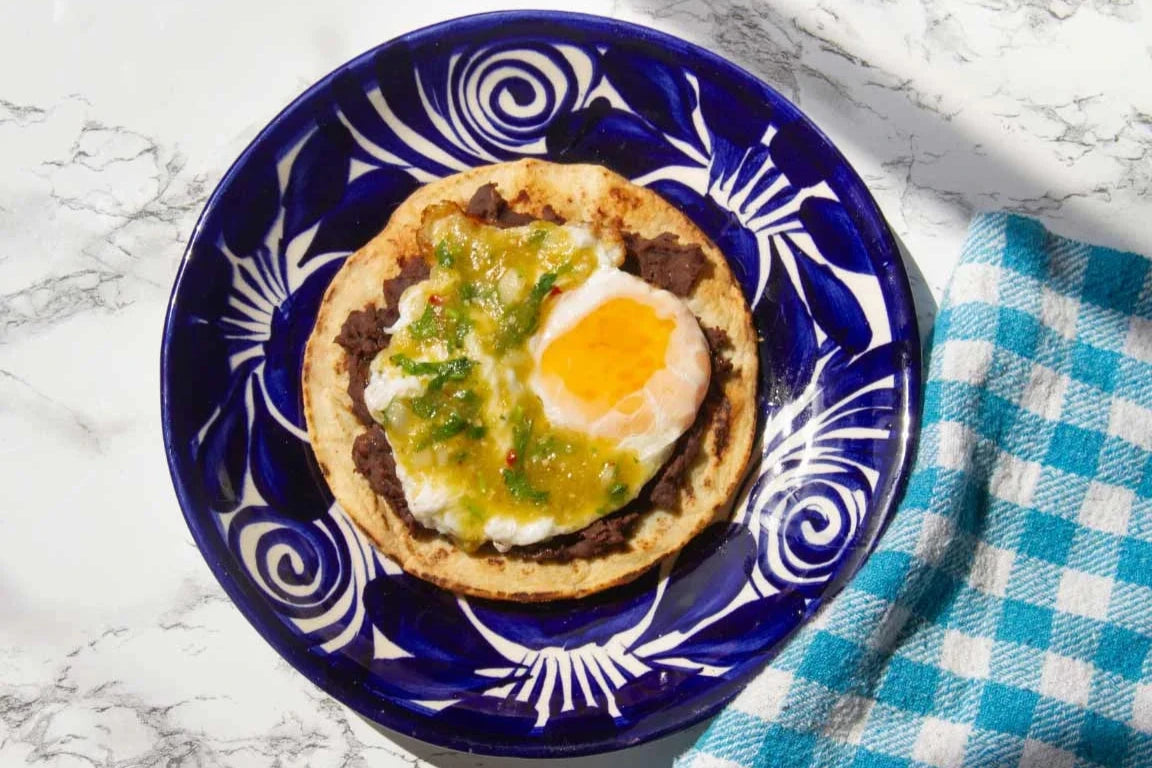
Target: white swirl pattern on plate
[485, 109]
[275, 555]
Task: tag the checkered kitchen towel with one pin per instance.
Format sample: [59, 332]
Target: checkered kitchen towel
[1006, 617]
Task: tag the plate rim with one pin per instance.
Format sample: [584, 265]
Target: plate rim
[891, 274]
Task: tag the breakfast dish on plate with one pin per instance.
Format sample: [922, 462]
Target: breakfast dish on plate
[535, 383]
[532, 377]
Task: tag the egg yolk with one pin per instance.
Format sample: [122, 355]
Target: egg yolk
[606, 358]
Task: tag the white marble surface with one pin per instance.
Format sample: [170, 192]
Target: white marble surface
[117, 117]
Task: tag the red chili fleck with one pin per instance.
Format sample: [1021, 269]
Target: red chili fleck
[556, 290]
[511, 458]
[435, 300]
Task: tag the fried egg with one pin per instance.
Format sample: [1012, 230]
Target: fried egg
[611, 374]
[619, 359]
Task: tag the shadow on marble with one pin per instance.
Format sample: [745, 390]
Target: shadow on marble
[924, 302]
[933, 159]
[654, 754]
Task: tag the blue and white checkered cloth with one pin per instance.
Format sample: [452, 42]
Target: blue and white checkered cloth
[1006, 617]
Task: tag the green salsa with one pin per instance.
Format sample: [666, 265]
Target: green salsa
[475, 427]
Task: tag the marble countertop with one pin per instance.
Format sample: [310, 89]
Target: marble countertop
[116, 120]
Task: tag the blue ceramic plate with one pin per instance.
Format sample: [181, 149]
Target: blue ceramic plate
[838, 394]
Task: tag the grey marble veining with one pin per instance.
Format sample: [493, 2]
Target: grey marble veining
[117, 647]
